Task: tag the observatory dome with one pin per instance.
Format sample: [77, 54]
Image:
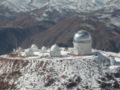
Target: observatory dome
[55, 51]
[43, 48]
[34, 47]
[82, 42]
[55, 48]
[82, 36]
[29, 52]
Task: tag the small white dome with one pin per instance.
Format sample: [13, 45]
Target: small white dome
[43, 48]
[34, 46]
[82, 35]
[29, 52]
[55, 48]
[55, 51]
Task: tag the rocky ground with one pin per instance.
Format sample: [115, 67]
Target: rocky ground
[58, 73]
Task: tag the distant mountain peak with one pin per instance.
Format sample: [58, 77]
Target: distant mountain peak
[77, 5]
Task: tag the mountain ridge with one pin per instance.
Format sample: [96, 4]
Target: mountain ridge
[60, 5]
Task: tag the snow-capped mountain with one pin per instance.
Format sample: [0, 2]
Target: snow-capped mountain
[24, 5]
[77, 5]
[58, 16]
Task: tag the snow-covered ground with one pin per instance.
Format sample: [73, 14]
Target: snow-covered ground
[68, 72]
[59, 71]
[116, 21]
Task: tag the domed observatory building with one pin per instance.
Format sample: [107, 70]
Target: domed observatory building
[82, 42]
[43, 49]
[55, 51]
[34, 47]
[29, 52]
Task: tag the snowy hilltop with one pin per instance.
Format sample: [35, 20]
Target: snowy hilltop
[36, 69]
[58, 68]
[77, 5]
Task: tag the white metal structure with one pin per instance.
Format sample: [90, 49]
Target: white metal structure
[55, 51]
[82, 42]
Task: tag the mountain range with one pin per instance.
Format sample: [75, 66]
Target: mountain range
[46, 22]
[56, 21]
[78, 5]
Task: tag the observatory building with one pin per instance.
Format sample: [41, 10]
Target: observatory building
[82, 42]
[43, 49]
[55, 51]
[28, 52]
[34, 47]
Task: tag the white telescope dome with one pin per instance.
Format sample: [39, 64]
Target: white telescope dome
[29, 52]
[82, 36]
[55, 51]
[82, 42]
[55, 48]
[34, 46]
[43, 48]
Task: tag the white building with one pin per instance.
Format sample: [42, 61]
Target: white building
[28, 52]
[82, 42]
[55, 51]
[18, 50]
[114, 68]
[34, 47]
[43, 49]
